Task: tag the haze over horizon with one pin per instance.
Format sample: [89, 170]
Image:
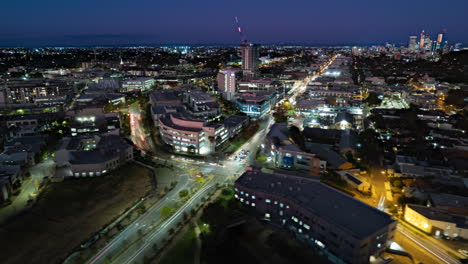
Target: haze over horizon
[88, 23]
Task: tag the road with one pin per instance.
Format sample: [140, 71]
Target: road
[136, 241]
[140, 138]
[421, 251]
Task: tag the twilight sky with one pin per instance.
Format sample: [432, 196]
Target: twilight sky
[124, 22]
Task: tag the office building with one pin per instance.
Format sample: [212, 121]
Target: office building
[227, 82]
[284, 153]
[256, 105]
[191, 135]
[345, 229]
[140, 84]
[412, 46]
[88, 156]
[438, 221]
[42, 92]
[259, 85]
[440, 37]
[427, 42]
[422, 39]
[250, 60]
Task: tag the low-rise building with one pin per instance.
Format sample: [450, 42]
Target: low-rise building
[10, 180]
[198, 136]
[437, 221]
[235, 124]
[141, 84]
[259, 85]
[89, 156]
[91, 120]
[22, 151]
[256, 105]
[165, 97]
[40, 92]
[201, 105]
[182, 134]
[345, 229]
[283, 153]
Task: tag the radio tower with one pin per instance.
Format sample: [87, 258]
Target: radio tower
[239, 29]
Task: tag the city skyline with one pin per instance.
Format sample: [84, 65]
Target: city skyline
[145, 23]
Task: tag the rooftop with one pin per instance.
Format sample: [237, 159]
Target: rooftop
[442, 215]
[337, 208]
[450, 200]
[167, 121]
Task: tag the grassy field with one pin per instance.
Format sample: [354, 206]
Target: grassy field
[183, 251]
[68, 213]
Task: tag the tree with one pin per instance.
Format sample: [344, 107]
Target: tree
[378, 120]
[171, 231]
[155, 247]
[297, 137]
[373, 99]
[262, 159]
[167, 211]
[141, 209]
[183, 193]
[397, 184]
[200, 181]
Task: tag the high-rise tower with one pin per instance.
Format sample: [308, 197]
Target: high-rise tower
[422, 40]
[227, 82]
[412, 43]
[250, 61]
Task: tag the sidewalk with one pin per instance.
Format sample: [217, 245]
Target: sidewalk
[28, 189]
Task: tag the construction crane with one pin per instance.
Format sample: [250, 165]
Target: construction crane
[239, 29]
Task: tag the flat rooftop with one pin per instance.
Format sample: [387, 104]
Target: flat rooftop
[335, 207]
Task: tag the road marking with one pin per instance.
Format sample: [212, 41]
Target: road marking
[102, 253]
[169, 221]
[427, 249]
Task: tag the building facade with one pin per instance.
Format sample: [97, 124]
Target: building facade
[343, 228]
[141, 84]
[227, 83]
[250, 60]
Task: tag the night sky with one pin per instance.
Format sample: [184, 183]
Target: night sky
[119, 22]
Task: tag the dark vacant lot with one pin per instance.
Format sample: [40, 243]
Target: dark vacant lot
[68, 213]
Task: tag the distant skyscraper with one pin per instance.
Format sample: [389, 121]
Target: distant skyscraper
[412, 43]
[250, 61]
[428, 42]
[440, 37]
[227, 82]
[422, 39]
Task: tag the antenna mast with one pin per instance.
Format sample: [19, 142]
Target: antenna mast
[239, 29]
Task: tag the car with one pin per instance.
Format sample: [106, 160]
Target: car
[464, 252]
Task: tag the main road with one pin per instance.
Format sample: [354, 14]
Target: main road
[139, 239]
